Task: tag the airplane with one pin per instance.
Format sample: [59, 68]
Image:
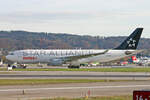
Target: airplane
[75, 57]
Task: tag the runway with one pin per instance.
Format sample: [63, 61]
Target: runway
[74, 75]
[71, 90]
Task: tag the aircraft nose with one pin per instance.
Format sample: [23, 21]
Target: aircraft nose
[9, 57]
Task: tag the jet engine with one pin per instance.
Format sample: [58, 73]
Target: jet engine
[55, 62]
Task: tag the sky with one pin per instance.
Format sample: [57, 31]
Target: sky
[81, 17]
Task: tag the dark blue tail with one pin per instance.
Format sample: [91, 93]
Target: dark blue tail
[132, 41]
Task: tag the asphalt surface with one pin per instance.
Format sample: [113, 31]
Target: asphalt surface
[73, 75]
[71, 90]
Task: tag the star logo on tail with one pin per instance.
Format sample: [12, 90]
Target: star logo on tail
[131, 42]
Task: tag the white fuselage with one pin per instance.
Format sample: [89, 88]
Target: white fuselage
[76, 57]
[47, 56]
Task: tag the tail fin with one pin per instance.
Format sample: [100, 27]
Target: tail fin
[132, 41]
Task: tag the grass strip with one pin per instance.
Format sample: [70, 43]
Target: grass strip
[96, 98]
[91, 69]
[50, 81]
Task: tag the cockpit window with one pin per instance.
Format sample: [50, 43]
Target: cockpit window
[11, 53]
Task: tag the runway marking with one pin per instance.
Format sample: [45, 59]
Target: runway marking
[53, 76]
[71, 88]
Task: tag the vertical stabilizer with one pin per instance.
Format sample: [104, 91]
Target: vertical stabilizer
[132, 41]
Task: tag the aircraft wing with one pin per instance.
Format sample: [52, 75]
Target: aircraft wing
[74, 58]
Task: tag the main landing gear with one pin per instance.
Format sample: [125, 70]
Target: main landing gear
[74, 66]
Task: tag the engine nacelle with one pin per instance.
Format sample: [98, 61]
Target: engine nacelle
[55, 62]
